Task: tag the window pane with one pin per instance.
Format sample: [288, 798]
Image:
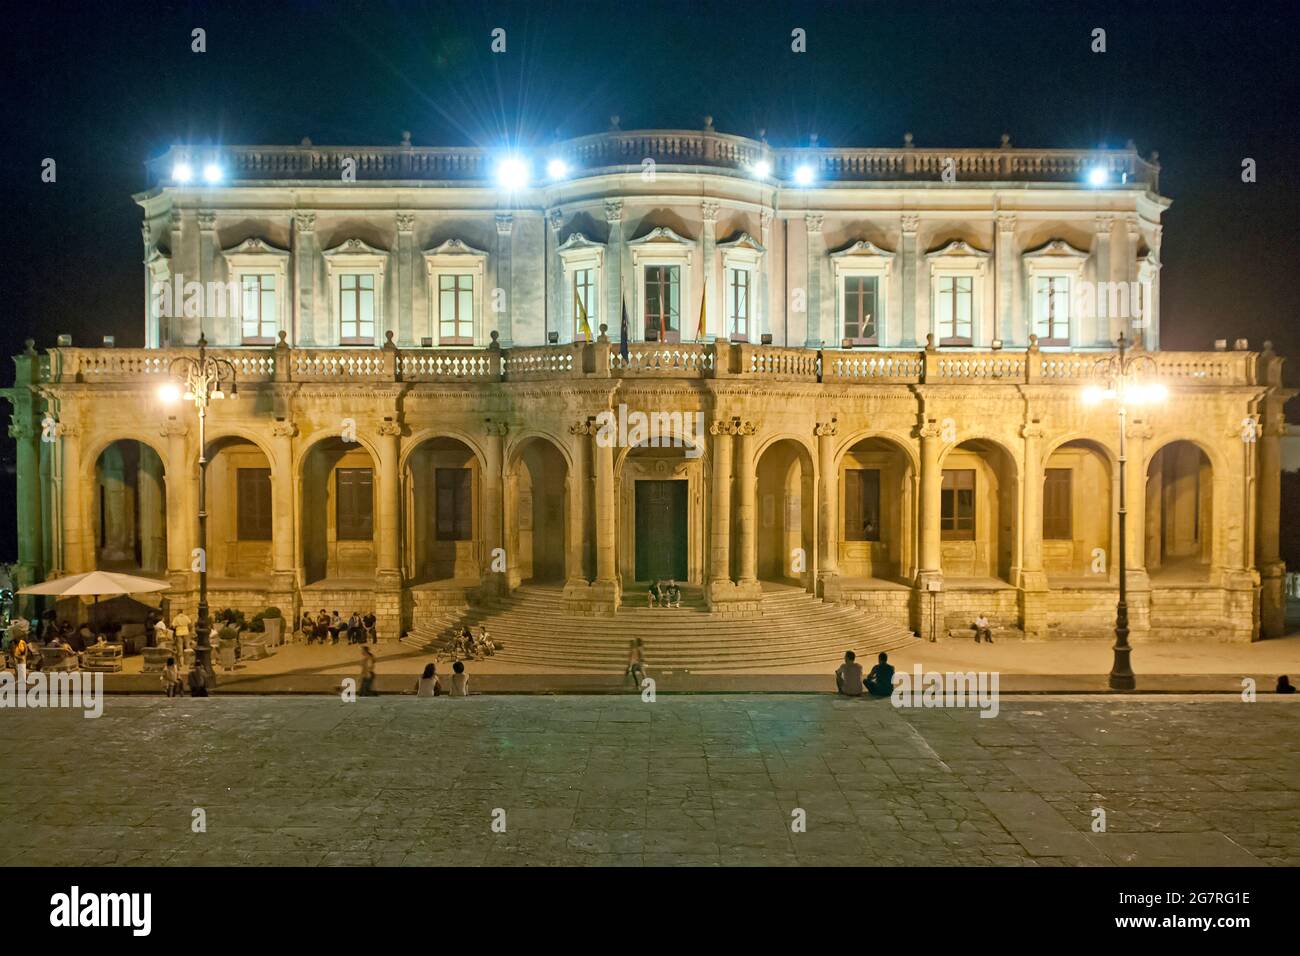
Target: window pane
[253, 504]
[1057, 512]
[354, 504]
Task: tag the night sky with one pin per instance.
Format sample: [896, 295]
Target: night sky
[102, 87]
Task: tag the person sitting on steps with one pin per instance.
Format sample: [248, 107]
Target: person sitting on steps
[674, 594]
[982, 629]
[653, 595]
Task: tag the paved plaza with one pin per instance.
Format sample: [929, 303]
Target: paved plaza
[684, 780]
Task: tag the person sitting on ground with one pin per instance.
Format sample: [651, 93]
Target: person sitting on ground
[848, 676]
[427, 685]
[880, 682]
[982, 629]
[653, 595]
[1284, 685]
[368, 622]
[459, 680]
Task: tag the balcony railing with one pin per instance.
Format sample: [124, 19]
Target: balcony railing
[618, 149]
[648, 360]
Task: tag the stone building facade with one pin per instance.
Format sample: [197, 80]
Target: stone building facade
[857, 371]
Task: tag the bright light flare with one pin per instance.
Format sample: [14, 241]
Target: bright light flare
[1097, 176]
[212, 173]
[804, 176]
[182, 173]
[169, 393]
[762, 169]
[512, 174]
[557, 169]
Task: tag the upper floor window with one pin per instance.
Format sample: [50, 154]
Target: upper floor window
[354, 504]
[663, 302]
[862, 504]
[739, 288]
[861, 309]
[258, 307]
[455, 309]
[357, 308]
[584, 304]
[954, 308]
[1052, 309]
[957, 504]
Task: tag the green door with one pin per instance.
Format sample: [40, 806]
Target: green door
[660, 530]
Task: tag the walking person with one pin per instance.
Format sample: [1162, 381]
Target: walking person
[636, 663]
[367, 673]
[171, 678]
[368, 622]
[427, 685]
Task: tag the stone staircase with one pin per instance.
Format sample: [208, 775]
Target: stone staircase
[795, 628]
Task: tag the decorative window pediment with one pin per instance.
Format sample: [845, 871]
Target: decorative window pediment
[661, 236]
[355, 272]
[457, 273]
[861, 269]
[866, 250]
[958, 254]
[579, 245]
[1056, 255]
[260, 272]
[256, 249]
[454, 247]
[741, 244]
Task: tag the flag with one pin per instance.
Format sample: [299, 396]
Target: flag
[623, 332]
[704, 322]
[582, 319]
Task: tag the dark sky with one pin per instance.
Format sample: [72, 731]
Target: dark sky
[100, 87]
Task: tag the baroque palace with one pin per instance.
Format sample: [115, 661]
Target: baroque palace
[868, 374]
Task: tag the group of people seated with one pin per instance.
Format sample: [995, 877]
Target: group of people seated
[468, 644]
[325, 627]
[850, 682]
[430, 686]
[664, 595]
[34, 651]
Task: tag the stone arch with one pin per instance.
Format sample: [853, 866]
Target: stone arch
[878, 486]
[903, 440]
[537, 509]
[1184, 494]
[980, 508]
[416, 438]
[1080, 491]
[787, 508]
[241, 506]
[91, 452]
[128, 506]
[660, 513]
[337, 523]
[443, 500]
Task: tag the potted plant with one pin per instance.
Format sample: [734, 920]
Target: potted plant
[229, 645]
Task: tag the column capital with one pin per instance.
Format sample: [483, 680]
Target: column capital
[709, 210]
[505, 224]
[589, 427]
[495, 429]
[827, 429]
[389, 428]
[722, 427]
[929, 429]
[284, 429]
[1141, 431]
[1104, 222]
[67, 429]
[406, 222]
[813, 221]
[207, 219]
[173, 428]
[746, 428]
[304, 221]
[21, 429]
[765, 217]
[555, 219]
[1032, 430]
[613, 211]
[910, 223]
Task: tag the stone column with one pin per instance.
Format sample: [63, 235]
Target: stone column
[555, 319]
[501, 321]
[912, 332]
[1272, 570]
[494, 581]
[1151, 340]
[614, 267]
[708, 243]
[927, 608]
[409, 272]
[1009, 328]
[389, 563]
[720, 584]
[27, 437]
[828, 507]
[151, 507]
[218, 334]
[761, 321]
[77, 550]
[816, 253]
[746, 512]
[309, 328]
[1138, 434]
[180, 505]
[1107, 329]
[1030, 579]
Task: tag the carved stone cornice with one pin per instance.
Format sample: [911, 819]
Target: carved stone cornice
[406, 222]
[304, 222]
[613, 211]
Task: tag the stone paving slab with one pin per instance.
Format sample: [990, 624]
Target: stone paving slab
[692, 780]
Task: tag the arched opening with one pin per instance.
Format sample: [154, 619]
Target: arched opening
[130, 509]
[1179, 513]
[660, 517]
[241, 514]
[1079, 519]
[786, 514]
[877, 514]
[338, 512]
[978, 512]
[443, 495]
[537, 501]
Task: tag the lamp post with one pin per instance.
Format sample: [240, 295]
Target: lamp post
[1122, 374]
[202, 381]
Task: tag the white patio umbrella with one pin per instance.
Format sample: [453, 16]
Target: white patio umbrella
[97, 584]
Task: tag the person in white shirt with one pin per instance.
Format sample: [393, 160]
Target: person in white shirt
[982, 629]
[428, 685]
[459, 680]
[848, 678]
